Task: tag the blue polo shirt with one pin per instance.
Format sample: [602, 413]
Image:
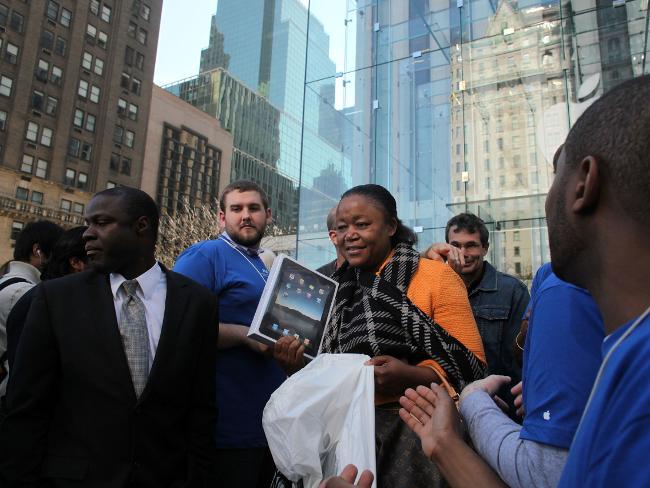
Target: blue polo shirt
[613, 443]
[561, 360]
[245, 379]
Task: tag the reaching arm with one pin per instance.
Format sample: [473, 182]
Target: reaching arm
[519, 462]
[233, 335]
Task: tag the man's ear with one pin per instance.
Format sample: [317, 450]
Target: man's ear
[269, 216]
[142, 225]
[587, 185]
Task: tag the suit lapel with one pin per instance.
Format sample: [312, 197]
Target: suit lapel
[104, 322]
[175, 303]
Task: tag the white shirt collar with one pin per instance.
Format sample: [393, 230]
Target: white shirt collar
[24, 270]
[147, 281]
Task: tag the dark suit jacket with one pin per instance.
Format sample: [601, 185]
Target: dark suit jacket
[72, 414]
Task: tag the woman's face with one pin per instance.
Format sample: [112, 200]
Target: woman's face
[362, 233]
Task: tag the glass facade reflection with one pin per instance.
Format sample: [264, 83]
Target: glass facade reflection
[455, 106]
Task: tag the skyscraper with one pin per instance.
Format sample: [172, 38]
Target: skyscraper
[75, 88]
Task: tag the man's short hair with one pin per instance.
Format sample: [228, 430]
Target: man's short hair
[614, 129]
[42, 232]
[136, 203]
[242, 186]
[331, 219]
[469, 223]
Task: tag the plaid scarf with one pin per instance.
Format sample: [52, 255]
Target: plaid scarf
[372, 315]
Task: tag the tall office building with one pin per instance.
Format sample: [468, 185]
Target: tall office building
[255, 127]
[75, 89]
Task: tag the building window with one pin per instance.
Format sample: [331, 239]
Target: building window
[139, 60]
[133, 111]
[51, 106]
[73, 147]
[82, 181]
[47, 39]
[102, 39]
[125, 80]
[78, 118]
[86, 152]
[27, 164]
[83, 89]
[129, 138]
[115, 162]
[78, 208]
[22, 194]
[3, 120]
[59, 47]
[32, 132]
[42, 70]
[142, 36]
[121, 106]
[11, 53]
[6, 84]
[46, 137]
[37, 100]
[57, 75]
[37, 197]
[126, 166]
[66, 205]
[518, 268]
[90, 123]
[106, 13]
[91, 33]
[118, 134]
[52, 10]
[16, 228]
[517, 252]
[145, 13]
[129, 55]
[94, 94]
[136, 86]
[99, 67]
[41, 168]
[66, 17]
[70, 177]
[17, 22]
[87, 60]
[4, 14]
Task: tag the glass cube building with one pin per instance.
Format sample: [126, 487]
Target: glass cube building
[453, 106]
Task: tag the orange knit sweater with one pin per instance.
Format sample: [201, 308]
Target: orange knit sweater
[439, 292]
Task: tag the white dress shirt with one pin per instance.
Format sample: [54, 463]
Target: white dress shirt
[153, 292]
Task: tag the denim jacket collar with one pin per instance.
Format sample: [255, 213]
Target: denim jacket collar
[488, 281]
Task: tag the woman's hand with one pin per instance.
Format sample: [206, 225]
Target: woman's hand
[393, 376]
[346, 480]
[289, 352]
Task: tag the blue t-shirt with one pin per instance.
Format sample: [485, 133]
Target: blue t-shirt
[245, 379]
[561, 360]
[613, 443]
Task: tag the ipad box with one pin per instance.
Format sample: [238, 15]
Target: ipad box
[296, 301]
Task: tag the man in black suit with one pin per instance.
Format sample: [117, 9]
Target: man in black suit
[114, 382]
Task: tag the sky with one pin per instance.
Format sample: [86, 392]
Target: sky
[183, 33]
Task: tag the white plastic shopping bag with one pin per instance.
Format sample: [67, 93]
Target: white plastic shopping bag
[323, 418]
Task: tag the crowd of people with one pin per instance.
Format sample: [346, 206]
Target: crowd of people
[118, 372]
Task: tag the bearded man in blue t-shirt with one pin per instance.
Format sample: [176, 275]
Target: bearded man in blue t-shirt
[247, 374]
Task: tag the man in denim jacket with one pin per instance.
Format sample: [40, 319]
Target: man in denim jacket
[498, 300]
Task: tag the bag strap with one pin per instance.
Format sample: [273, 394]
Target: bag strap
[12, 281]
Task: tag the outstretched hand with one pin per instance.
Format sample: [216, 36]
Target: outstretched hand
[289, 352]
[489, 385]
[432, 415]
[347, 477]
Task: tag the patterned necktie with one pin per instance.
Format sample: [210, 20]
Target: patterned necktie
[135, 337]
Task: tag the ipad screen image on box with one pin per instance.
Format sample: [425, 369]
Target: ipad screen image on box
[301, 301]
